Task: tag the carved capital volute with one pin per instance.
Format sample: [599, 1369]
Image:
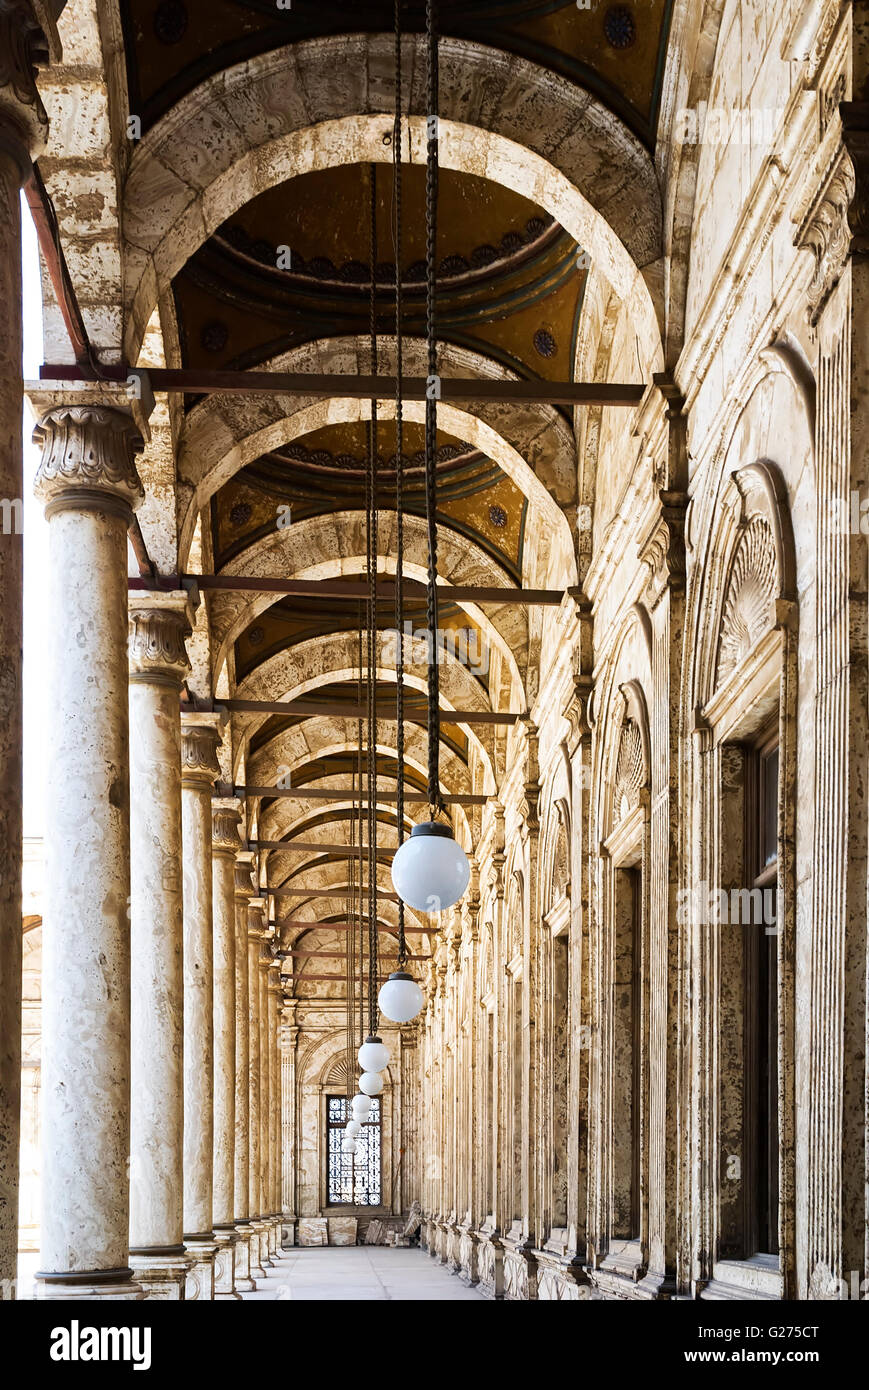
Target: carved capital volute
[663, 546]
[855, 137]
[158, 630]
[199, 743]
[88, 454]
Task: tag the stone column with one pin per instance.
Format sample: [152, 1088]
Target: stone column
[88, 481]
[225, 844]
[243, 892]
[276, 999]
[288, 1039]
[265, 1090]
[159, 624]
[259, 1239]
[23, 125]
[199, 768]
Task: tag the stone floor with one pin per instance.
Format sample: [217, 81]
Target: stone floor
[360, 1273]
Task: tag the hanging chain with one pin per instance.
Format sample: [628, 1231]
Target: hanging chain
[431, 200]
[371, 537]
[399, 468]
[359, 904]
[350, 972]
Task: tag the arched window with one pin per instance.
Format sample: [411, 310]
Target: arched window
[354, 1180]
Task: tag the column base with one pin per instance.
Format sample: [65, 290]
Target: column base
[258, 1244]
[265, 1254]
[274, 1223]
[201, 1253]
[90, 1284]
[162, 1273]
[224, 1262]
[243, 1281]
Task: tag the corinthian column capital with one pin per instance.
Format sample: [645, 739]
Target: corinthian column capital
[159, 625]
[199, 744]
[28, 38]
[88, 459]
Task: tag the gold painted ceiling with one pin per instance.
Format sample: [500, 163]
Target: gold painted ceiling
[614, 50]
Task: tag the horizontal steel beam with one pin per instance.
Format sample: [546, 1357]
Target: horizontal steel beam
[348, 589]
[336, 710]
[330, 893]
[342, 955]
[307, 845]
[298, 979]
[333, 384]
[226, 789]
[301, 924]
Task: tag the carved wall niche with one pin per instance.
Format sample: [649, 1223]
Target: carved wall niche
[744, 697]
[751, 586]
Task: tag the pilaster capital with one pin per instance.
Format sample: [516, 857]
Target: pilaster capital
[225, 822]
[28, 40]
[159, 625]
[88, 459]
[200, 740]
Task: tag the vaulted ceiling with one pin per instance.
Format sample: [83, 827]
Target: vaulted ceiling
[291, 269]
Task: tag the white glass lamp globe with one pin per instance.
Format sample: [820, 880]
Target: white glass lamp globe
[430, 871]
[349, 1145]
[352, 1128]
[360, 1106]
[373, 1056]
[371, 1083]
[400, 998]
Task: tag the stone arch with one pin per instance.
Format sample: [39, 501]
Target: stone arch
[238, 134]
[333, 544]
[533, 445]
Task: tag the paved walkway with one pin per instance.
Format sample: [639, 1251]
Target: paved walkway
[374, 1273]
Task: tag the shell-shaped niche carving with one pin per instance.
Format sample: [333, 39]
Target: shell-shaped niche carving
[751, 591]
[560, 864]
[631, 773]
[338, 1074]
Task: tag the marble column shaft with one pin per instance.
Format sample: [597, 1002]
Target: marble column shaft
[225, 844]
[256, 931]
[241, 1183]
[89, 484]
[23, 125]
[159, 624]
[265, 1163]
[199, 768]
[275, 999]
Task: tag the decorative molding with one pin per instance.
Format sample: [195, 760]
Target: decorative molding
[87, 450]
[199, 764]
[631, 771]
[855, 137]
[749, 602]
[156, 645]
[24, 46]
[826, 233]
[225, 822]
